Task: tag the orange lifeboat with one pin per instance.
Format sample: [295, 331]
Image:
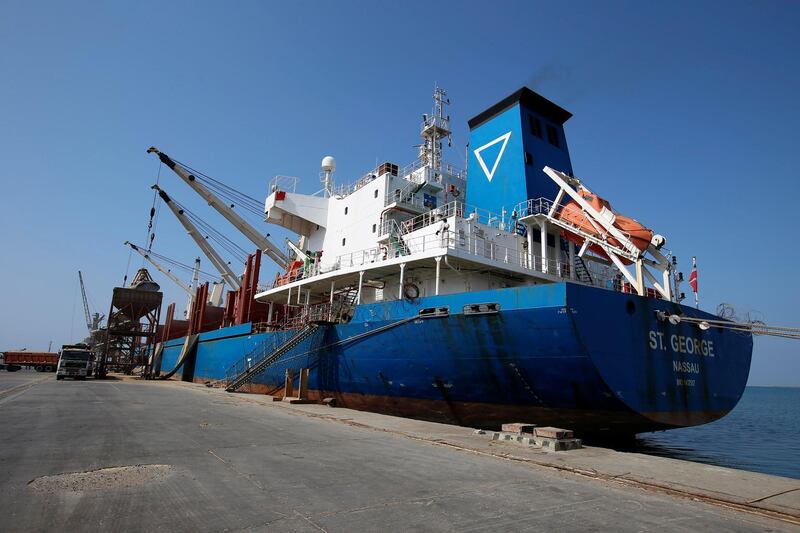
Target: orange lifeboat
[639, 235]
[292, 273]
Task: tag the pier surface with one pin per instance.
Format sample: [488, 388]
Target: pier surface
[128, 455]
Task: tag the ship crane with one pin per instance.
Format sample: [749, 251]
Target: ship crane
[238, 222]
[215, 298]
[161, 268]
[225, 271]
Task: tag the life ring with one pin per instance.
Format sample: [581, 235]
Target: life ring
[411, 291]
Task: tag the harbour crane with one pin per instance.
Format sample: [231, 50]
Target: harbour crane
[92, 321]
[225, 271]
[252, 234]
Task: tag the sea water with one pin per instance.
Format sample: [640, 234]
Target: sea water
[761, 434]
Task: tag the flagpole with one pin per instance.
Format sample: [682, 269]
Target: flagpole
[694, 277]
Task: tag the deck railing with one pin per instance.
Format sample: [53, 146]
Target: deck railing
[467, 245]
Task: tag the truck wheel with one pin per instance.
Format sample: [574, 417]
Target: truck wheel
[48, 368]
[39, 368]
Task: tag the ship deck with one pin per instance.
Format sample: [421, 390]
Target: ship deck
[201, 459]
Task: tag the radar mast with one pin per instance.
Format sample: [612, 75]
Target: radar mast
[435, 127]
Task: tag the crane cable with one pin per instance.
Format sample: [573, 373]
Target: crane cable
[151, 235]
[226, 191]
[212, 233]
[183, 266]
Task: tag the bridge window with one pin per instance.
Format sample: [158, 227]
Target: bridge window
[376, 193]
[536, 126]
[344, 241]
[528, 158]
[374, 228]
[345, 210]
[552, 136]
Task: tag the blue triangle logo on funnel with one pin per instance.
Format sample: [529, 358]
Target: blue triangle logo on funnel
[478, 151]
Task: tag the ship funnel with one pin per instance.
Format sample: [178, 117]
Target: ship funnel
[510, 143]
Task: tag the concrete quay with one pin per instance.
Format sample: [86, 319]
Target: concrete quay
[129, 455]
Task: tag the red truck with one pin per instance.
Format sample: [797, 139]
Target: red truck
[41, 361]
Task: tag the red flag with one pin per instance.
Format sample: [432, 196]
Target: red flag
[693, 277]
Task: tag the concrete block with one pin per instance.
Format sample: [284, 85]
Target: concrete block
[518, 427]
[500, 435]
[330, 402]
[524, 440]
[559, 445]
[553, 433]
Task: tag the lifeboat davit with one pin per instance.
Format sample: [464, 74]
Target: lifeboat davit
[573, 213]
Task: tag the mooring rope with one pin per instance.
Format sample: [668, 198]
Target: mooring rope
[754, 327]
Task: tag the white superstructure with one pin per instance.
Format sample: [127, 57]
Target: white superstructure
[405, 232]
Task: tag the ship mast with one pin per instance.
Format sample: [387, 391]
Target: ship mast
[435, 127]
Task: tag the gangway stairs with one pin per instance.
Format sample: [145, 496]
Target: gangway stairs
[581, 270]
[263, 356]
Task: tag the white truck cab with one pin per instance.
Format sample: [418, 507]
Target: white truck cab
[75, 361]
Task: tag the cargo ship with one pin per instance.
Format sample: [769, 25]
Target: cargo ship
[509, 292]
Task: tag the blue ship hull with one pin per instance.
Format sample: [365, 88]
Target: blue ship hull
[562, 354]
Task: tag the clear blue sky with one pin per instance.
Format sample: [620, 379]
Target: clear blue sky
[685, 118]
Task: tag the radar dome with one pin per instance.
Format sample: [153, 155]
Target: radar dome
[328, 163]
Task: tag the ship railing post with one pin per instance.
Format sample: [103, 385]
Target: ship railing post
[289, 297]
[360, 282]
[269, 313]
[571, 246]
[402, 279]
[543, 233]
[438, 270]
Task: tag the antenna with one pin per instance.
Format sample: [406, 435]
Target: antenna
[328, 167]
